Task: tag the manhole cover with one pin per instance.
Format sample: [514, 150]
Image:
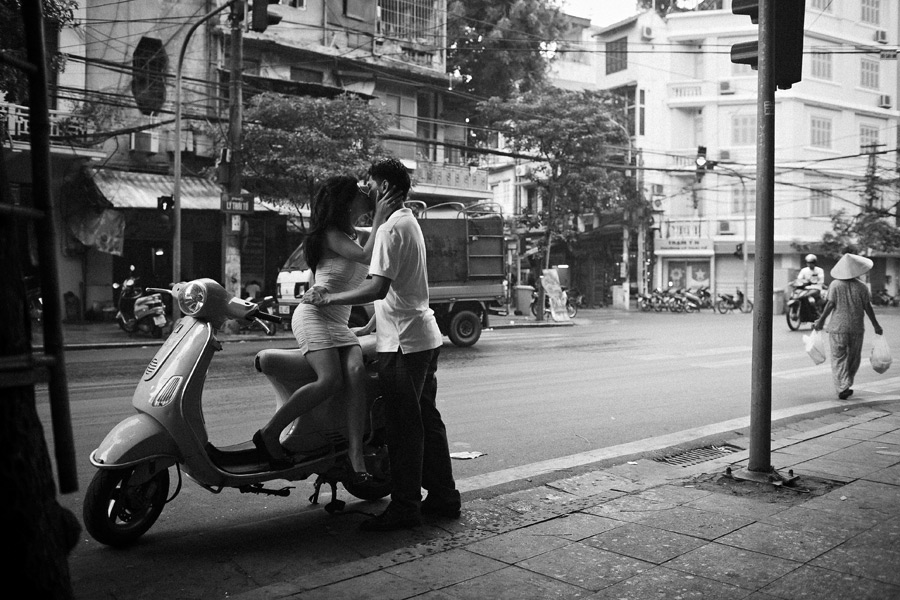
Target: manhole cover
[699, 455]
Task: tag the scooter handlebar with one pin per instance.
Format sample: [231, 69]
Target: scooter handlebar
[264, 316]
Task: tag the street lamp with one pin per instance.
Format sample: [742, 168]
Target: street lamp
[176, 194]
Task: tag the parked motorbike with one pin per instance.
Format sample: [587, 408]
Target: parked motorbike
[702, 296]
[140, 311]
[729, 302]
[571, 306]
[690, 300]
[130, 488]
[883, 298]
[801, 306]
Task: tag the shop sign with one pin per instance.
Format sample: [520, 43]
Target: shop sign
[242, 204]
[684, 244]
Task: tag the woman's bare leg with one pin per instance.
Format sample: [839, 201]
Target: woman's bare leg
[357, 404]
[329, 379]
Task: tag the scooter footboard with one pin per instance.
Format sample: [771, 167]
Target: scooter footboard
[136, 439]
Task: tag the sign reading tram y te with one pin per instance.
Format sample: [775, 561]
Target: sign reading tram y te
[242, 204]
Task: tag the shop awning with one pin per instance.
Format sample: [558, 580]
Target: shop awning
[128, 189]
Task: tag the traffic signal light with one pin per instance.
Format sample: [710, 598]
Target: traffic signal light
[787, 40]
[739, 251]
[703, 164]
[165, 204]
[260, 17]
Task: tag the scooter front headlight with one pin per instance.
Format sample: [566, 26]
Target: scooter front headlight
[192, 298]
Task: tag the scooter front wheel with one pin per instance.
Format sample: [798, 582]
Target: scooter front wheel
[122, 504]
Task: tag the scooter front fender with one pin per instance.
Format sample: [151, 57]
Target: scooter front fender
[137, 439]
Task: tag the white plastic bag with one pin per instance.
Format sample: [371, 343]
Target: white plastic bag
[815, 346]
[881, 355]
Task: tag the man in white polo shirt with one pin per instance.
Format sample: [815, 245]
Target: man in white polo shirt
[408, 343]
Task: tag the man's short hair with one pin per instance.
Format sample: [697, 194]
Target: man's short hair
[393, 171]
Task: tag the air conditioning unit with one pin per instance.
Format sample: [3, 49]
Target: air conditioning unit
[725, 228]
[144, 141]
[657, 189]
[523, 170]
[657, 202]
[726, 87]
[724, 155]
[881, 36]
[884, 101]
[647, 33]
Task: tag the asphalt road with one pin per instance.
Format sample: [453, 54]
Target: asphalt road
[519, 396]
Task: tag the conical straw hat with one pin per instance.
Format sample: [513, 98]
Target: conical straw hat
[851, 266]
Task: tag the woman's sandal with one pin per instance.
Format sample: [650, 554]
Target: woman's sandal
[274, 461]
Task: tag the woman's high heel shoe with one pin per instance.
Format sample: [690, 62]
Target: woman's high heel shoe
[274, 461]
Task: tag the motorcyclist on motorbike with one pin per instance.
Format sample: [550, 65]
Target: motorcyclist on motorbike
[812, 277]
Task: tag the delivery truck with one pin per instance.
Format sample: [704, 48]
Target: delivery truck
[465, 259]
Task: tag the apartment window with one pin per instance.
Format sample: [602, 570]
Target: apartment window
[822, 5]
[355, 8]
[301, 4]
[821, 65]
[869, 136]
[743, 197]
[743, 130]
[616, 55]
[820, 132]
[820, 203]
[408, 19]
[870, 12]
[392, 104]
[740, 70]
[868, 73]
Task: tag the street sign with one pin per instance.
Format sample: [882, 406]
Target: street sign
[242, 204]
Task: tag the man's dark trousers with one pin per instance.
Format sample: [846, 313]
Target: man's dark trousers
[416, 435]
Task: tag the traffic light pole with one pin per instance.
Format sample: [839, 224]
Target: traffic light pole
[760, 466]
[231, 226]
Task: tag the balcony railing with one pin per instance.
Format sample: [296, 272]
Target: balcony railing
[63, 125]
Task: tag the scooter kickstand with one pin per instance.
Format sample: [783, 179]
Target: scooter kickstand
[335, 505]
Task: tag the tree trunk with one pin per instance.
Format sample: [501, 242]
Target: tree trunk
[38, 532]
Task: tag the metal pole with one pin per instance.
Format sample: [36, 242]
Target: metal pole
[176, 194]
[231, 254]
[46, 229]
[761, 377]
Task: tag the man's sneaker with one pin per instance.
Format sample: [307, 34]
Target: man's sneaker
[440, 509]
[845, 394]
[391, 520]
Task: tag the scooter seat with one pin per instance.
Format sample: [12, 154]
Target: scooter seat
[292, 365]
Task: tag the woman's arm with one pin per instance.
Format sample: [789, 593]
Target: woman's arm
[871, 312]
[829, 306]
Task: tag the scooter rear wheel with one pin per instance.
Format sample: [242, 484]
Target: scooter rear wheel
[117, 512]
[793, 317]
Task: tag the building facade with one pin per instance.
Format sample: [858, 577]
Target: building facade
[835, 131]
[116, 101]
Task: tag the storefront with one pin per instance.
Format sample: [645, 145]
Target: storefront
[684, 263]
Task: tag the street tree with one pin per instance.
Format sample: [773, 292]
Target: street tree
[57, 15]
[499, 48]
[291, 143]
[579, 147]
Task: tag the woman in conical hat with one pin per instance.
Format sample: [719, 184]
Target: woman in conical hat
[848, 301]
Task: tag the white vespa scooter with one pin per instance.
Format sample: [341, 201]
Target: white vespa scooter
[128, 493]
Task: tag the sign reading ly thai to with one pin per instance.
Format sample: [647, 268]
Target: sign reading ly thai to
[237, 204]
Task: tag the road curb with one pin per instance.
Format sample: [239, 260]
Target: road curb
[526, 476]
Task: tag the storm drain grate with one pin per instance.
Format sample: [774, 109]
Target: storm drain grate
[699, 455]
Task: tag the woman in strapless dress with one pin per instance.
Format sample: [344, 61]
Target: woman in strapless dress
[332, 349]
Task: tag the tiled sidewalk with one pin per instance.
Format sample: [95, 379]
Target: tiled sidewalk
[647, 529]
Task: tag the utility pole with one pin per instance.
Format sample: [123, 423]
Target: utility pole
[232, 222]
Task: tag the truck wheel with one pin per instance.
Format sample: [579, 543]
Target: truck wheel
[465, 328]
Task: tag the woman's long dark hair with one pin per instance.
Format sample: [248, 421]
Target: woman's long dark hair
[329, 208]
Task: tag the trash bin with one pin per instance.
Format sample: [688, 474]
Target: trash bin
[523, 299]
